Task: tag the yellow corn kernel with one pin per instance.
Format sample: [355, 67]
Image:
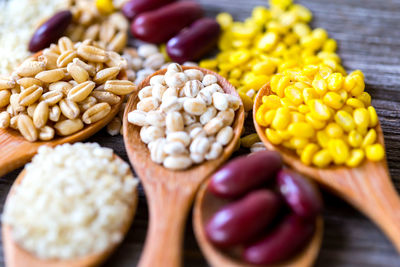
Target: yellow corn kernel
[288, 145]
[266, 67]
[345, 120]
[243, 31]
[355, 139]
[248, 140]
[267, 41]
[355, 103]
[271, 101]
[235, 73]
[373, 117]
[273, 136]
[281, 4]
[322, 138]
[281, 119]
[335, 81]
[302, 12]
[375, 152]
[223, 73]
[301, 129]
[329, 46]
[260, 115]
[309, 94]
[239, 57]
[234, 82]
[301, 85]
[319, 110]
[365, 98]
[320, 85]
[343, 94]
[348, 109]
[316, 124]
[294, 95]
[284, 134]
[225, 20]
[356, 157]
[310, 70]
[286, 102]
[226, 66]
[361, 117]
[339, 150]
[322, 158]
[334, 130]
[105, 6]
[333, 100]
[260, 14]
[299, 142]
[308, 153]
[301, 29]
[354, 84]
[210, 64]
[241, 43]
[256, 81]
[247, 101]
[358, 72]
[280, 86]
[320, 34]
[325, 71]
[269, 116]
[369, 138]
[303, 109]
[290, 39]
[297, 116]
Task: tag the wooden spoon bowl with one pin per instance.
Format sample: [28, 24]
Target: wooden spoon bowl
[367, 187]
[15, 150]
[206, 205]
[170, 193]
[16, 256]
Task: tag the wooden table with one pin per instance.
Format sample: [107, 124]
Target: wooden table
[369, 39]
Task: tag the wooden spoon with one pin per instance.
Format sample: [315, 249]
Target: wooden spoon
[206, 205]
[16, 256]
[367, 187]
[170, 193]
[15, 150]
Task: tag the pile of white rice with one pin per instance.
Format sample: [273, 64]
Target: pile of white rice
[72, 202]
[18, 21]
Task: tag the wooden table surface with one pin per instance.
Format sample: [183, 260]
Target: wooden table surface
[369, 39]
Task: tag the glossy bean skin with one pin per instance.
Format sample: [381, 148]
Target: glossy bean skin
[245, 173]
[283, 242]
[243, 219]
[50, 31]
[162, 24]
[134, 8]
[302, 196]
[194, 42]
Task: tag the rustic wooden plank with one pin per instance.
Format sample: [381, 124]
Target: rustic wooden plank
[368, 38]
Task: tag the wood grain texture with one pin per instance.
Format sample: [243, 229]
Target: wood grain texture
[368, 39]
[170, 193]
[206, 205]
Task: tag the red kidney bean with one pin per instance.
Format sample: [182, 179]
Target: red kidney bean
[245, 173]
[160, 25]
[242, 220]
[299, 193]
[50, 31]
[194, 42]
[135, 7]
[282, 243]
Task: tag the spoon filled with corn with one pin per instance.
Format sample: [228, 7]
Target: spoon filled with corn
[64, 94]
[324, 126]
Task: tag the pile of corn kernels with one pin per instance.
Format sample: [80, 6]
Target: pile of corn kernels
[322, 115]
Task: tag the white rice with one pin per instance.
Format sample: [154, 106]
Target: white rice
[72, 202]
[18, 21]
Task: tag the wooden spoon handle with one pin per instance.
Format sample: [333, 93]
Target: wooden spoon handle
[372, 192]
[168, 209]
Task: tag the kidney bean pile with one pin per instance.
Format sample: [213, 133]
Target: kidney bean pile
[272, 213]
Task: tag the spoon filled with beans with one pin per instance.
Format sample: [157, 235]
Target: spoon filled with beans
[65, 93]
[179, 127]
[323, 124]
[252, 211]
